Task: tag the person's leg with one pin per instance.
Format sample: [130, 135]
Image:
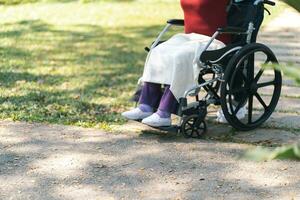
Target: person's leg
[150, 96]
[149, 100]
[168, 103]
[162, 117]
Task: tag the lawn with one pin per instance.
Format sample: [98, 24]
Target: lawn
[73, 63]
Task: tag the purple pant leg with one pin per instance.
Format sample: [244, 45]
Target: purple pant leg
[168, 102]
[151, 94]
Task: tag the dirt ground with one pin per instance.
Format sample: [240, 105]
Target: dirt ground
[57, 162]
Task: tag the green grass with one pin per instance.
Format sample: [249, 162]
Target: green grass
[14, 2]
[74, 63]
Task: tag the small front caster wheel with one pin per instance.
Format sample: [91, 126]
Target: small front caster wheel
[193, 127]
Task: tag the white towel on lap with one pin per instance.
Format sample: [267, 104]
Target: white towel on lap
[174, 62]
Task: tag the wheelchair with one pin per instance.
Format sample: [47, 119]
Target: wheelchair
[235, 74]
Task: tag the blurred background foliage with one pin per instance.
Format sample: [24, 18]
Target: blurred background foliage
[265, 154]
[13, 2]
[293, 3]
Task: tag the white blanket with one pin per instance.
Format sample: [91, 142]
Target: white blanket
[174, 62]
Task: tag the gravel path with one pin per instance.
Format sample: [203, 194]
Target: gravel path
[57, 162]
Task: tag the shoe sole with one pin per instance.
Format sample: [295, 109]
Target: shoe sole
[156, 126]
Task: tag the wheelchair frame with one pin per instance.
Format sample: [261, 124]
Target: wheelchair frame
[193, 115]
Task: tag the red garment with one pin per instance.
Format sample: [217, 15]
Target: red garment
[205, 17]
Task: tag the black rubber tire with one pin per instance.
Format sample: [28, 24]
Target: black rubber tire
[250, 88]
[193, 127]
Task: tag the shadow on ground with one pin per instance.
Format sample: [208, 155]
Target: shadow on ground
[56, 162]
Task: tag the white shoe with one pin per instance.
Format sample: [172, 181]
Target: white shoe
[136, 114]
[241, 114]
[156, 121]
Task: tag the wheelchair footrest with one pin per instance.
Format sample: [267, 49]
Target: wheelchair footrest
[172, 129]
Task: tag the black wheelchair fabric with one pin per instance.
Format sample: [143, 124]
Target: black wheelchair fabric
[240, 14]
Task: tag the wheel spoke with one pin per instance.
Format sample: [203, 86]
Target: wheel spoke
[265, 84]
[250, 108]
[261, 101]
[188, 129]
[258, 75]
[189, 132]
[190, 124]
[250, 76]
[239, 106]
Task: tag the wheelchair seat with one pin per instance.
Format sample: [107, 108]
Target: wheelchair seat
[219, 55]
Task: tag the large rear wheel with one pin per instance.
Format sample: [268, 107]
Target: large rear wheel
[250, 83]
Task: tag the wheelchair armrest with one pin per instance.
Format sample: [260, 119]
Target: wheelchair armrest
[232, 30]
[176, 22]
[148, 49]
